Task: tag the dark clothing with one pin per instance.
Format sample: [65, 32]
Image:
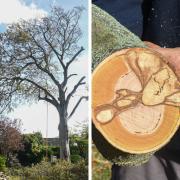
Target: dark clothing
[162, 22]
[156, 169]
[157, 21]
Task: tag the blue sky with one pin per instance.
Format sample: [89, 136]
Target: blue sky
[34, 116]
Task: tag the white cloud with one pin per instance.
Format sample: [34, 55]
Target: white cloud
[13, 10]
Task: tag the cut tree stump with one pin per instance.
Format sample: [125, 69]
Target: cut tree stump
[136, 100]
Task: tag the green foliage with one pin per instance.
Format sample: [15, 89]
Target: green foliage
[101, 168]
[33, 151]
[75, 158]
[53, 150]
[2, 163]
[62, 170]
[79, 146]
[12, 161]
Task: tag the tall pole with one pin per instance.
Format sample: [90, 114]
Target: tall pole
[47, 130]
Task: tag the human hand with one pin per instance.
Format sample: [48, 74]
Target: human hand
[172, 55]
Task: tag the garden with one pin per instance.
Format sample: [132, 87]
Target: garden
[27, 156]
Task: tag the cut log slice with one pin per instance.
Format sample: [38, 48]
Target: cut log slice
[135, 100]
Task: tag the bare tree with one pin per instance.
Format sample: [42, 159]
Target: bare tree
[35, 58]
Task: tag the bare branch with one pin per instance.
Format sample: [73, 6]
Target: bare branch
[54, 50]
[74, 57]
[80, 82]
[66, 78]
[71, 76]
[45, 98]
[76, 106]
[26, 65]
[43, 50]
[45, 70]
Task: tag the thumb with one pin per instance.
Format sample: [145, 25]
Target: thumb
[151, 45]
[172, 55]
[167, 52]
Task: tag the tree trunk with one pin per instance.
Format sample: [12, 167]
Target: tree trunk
[63, 136]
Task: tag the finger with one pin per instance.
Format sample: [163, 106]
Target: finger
[151, 45]
[155, 47]
[172, 55]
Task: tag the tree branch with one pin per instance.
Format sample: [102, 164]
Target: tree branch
[67, 66]
[80, 82]
[7, 100]
[74, 57]
[71, 76]
[54, 50]
[66, 78]
[45, 98]
[45, 70]
[43, 50]
[38, 86]
[26, 65]
[76, 106]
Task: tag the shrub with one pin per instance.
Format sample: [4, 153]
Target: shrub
[33, 151]
[2, 163]
[54, 151]
[61, 170]
[75, 158]
[79, 147]
[12, 161]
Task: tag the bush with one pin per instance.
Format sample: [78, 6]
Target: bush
[79, 147]
[12, 161]
[2, 163]
[54, 150]
[61, 170]
[33, 151]
[75, 158]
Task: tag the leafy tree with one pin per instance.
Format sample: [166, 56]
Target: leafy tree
[35, 59]
[33, 151]
[10, 136]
